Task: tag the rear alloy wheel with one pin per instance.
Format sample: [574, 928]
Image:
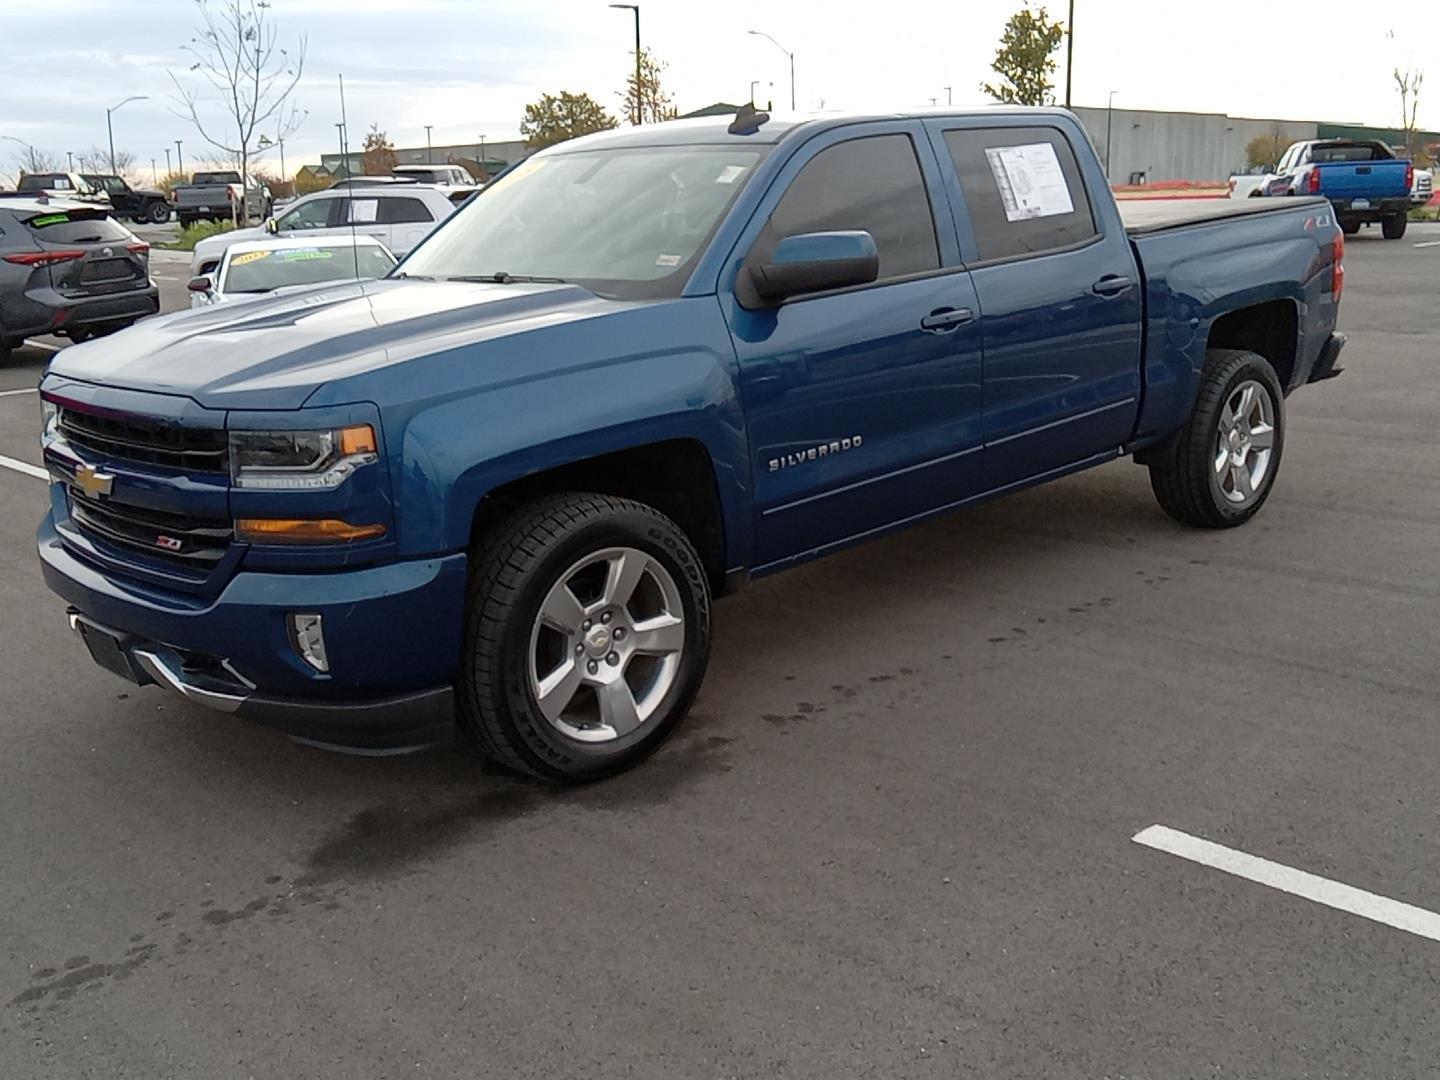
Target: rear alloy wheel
[587, 637]
[1222, 465]
[1393, 227]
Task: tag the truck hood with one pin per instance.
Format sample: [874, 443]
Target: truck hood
[276, 352]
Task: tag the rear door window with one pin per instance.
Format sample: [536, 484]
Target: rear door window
[1023, 190]
[403, 211]
[872, 183]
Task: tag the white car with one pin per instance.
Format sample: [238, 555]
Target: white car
[251, 268]
[397, 215]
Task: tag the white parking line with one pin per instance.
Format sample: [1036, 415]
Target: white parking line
[1367, 905]
[42, 345]
[23, 467]
[1429, 243]
[12, 393]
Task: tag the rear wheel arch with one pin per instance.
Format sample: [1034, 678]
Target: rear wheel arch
[1270, 328]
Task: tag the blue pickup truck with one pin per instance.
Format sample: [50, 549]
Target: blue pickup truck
[1362, 178]
[498, 490]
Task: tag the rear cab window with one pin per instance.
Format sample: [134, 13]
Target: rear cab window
[1023, 190]
[872, 183]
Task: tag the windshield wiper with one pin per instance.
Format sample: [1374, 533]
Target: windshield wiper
[500, 277]
[412, 277]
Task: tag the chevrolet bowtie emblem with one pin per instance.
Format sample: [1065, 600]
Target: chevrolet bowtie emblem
[92, 481]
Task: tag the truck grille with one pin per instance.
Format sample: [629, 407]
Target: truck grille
[179, 538]
[148, 442]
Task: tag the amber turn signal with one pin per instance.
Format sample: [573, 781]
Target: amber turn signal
[303, 530]
[359, 439]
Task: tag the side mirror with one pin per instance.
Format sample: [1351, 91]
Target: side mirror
[200, 284]
[272, 226]
[815, 262]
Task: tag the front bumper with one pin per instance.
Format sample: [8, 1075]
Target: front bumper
[392, 635]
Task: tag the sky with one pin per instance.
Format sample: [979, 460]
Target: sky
[468, 67]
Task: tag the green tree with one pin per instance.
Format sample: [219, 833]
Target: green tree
[1265, 150]
[1025, 60]
[558, 117]
[377, 156]
[655, 103]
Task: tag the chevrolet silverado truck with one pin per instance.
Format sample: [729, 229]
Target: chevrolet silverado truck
[496, 491]
[1363, 179]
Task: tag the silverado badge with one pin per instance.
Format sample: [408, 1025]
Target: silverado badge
[814, 453]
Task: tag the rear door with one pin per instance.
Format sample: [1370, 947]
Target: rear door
[409, 221]
[1059, 294]
[863, 404]
[362, 212]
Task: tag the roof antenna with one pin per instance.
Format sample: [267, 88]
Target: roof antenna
[747, 120]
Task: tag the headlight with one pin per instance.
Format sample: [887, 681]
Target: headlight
[49, 418]
[300, 459]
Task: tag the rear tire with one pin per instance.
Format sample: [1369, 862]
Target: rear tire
[159, 213]
[1223, 463]
[587, 636]
[1394, 226]
[186, 221]
[1349, 227]
[5, 348]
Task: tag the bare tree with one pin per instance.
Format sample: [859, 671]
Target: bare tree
[1408, 82]
[237, 56]
[97, 160]
[33, 159]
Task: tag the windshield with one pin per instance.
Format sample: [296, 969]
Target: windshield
[625, 223]
[262, 271]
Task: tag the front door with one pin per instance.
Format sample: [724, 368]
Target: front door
[863, 405]
[1060, 296]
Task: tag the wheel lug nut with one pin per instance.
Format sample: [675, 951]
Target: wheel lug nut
[613, 659]
[585, 625]
[579, 648]
[605, 618]
[619, 632]
[592, 667]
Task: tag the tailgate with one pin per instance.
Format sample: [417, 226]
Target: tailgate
[88, 253]
[1364, 179]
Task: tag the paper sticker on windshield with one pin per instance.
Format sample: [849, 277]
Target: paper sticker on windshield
[730, 173]
[667, 260]
[303, 254]
[248, 257]
[1030, 180]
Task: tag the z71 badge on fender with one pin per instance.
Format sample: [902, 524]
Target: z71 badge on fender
[835, 446]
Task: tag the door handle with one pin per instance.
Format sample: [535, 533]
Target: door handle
[1112, 285]
[944, 320]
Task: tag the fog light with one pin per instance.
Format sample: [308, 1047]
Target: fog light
[307, 636]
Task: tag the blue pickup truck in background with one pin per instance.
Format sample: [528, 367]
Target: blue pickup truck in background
[499, 489]
[1363, 179]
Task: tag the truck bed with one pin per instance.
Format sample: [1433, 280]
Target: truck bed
[1143, 216]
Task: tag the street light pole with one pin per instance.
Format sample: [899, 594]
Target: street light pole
[788, 53]
[1069, 51]
[179, 159]
[109, 130]
[485, 172]
[70, 158]
[639, 99]
[429, 154]
[154, 173]
[1109, 116]
[753, 83]
[949, 98]
[28, 149]
[167, 161]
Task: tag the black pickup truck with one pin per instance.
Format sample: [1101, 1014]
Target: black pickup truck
[138, 204]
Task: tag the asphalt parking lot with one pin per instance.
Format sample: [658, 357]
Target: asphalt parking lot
[893, 840]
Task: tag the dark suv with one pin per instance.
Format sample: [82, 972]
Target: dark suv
[140, 205]
[68, 269]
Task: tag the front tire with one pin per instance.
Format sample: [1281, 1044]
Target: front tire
[1393, 227]
[587, 636]
[159, 213]
[1223, 463]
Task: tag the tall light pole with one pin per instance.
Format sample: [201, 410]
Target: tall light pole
[429, 154]
[179, 158]
[483, 169]
[1109, 116]
[788, 53]
[28, 149]
[753, 83]
[110, 130]
[639, 100]
[1070, 53]
[949, 98]
[70, 159]
[167, 161]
